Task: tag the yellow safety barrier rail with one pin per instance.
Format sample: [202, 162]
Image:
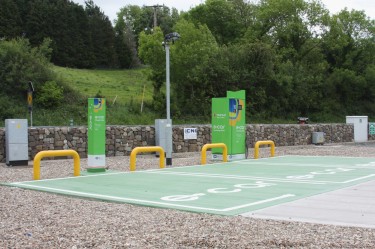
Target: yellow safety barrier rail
[137, 150]
[52, 153]
[259, 143]
[210, 146]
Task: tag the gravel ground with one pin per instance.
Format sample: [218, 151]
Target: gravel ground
[31, 219]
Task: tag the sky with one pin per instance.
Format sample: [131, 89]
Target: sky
[111, 7]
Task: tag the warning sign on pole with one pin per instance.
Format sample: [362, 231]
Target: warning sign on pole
[30, 99]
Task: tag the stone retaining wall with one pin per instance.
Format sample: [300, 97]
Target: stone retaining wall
[120, 140]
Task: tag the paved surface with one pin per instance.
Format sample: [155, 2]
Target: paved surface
[241, 187]
[352, 206]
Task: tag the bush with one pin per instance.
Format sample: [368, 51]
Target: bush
[19, 64]
[49, 95]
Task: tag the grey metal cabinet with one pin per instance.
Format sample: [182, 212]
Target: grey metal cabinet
[16, 142]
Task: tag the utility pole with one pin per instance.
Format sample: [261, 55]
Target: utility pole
[155, 13]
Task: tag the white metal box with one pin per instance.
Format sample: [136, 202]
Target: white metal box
[318, 138]
[360, 127]
[16, 142]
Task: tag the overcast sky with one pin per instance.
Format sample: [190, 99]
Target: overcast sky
[111, 7]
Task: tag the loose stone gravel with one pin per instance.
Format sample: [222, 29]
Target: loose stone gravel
[32, 219]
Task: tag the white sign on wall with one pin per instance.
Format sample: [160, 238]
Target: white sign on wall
[190, 133]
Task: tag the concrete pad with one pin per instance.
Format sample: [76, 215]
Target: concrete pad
[352, 206]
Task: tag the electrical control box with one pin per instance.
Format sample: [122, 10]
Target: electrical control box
[16, 142]
[163, 136]
[360, 127]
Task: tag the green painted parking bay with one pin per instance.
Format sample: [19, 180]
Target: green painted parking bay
[223, 188]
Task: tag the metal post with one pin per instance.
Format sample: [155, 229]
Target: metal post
[169, 142]
[168, 82]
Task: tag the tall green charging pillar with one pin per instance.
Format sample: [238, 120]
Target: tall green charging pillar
[96, 135]
[229, 125]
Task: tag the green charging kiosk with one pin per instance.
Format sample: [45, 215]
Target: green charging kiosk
[96, 135]
[229, 125]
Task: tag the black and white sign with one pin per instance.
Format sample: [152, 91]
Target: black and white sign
[190, 133]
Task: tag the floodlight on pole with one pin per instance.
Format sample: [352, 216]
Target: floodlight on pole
[172, 37]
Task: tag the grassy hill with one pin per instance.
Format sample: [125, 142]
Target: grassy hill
[124, 90]
[117, 86]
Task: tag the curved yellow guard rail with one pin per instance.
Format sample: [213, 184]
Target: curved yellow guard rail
[259, 143]
[210, 146]
[137, 150]
[52, 153]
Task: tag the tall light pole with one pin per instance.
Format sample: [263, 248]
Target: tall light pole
[170, 38]
[168, 81]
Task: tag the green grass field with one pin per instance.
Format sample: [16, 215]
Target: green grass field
[120, 86]
[127, 93]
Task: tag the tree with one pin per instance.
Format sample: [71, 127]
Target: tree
[349, 47]
[350, 40]
[246, 67]
[102, 36]
[126, 42]
[20, 63]
[167, 18]
[189, 57]
[221, 18]
[39, 22]
[288, 24]
[139, 19]
[66, 23]
[80, 39]
[151, 52]
[293, 29]
[10, 20]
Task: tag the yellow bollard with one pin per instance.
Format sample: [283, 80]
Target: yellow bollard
[52, 153]
[137, 150]
[210, 146]
[259, 143]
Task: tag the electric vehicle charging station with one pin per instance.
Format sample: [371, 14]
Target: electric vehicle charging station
[229, 125]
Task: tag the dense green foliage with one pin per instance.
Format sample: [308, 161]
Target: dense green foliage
[292, 57]
[20, 64]
[81, 37]
[61, 93]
